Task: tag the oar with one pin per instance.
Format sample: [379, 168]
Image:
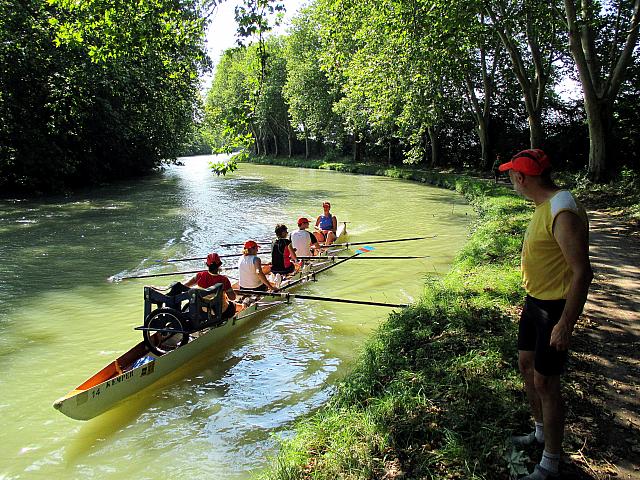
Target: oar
[151, 275]
[360, 251]
[171, 260]
[377, 241]
[241, 244]
[289, 296]
[360, 258]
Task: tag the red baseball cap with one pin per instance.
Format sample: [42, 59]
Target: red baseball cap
[302, 220]
[250, 244]
[213, 258]
[530, 162]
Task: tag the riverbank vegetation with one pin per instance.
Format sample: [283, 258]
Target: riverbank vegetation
[439, 84]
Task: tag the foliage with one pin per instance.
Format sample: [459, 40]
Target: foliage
[431, 82]
[96, 90]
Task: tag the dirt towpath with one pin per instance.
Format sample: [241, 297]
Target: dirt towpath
[603, 380]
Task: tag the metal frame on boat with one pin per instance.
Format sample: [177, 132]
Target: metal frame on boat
[139, 368]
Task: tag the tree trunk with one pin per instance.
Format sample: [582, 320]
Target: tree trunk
[355, 147]
[483, 135]
[290, 142]
[435, 146]
[275, 143]
[536, 130]
[390, 152]
[306, 143]
[599, 138]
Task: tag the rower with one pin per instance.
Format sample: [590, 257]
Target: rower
[208, 278]
[282, 253]
[302, 239]
[326, 226]
[251, 276]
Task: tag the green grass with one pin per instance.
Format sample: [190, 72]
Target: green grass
[435, 392]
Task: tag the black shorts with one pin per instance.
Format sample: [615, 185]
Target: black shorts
[230, 311]
[290, 269]
[536, 323]
[261, 288]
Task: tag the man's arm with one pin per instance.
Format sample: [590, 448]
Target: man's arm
[334, 221]
[191, 282]
[573, 238]
[312, 239]
[261, 275]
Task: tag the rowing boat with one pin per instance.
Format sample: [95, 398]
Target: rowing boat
[140, 368]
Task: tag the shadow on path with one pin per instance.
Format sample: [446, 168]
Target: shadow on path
[603, 383]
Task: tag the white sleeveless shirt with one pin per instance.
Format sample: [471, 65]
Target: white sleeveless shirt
[247, 276]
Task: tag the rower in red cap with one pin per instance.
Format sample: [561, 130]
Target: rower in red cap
[302, 239]
[208, 278]
[250, 274]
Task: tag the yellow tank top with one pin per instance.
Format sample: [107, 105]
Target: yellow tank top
[545, 272]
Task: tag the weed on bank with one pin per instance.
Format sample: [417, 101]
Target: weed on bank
[435, 392]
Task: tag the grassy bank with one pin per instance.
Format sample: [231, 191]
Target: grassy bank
[435, 392]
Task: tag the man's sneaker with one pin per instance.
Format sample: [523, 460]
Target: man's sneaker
[540, 473]
[525, 440]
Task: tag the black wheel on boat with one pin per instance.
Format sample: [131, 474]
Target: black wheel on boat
[157, 339]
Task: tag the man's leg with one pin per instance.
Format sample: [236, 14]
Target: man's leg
[526, 365]
[550, 395]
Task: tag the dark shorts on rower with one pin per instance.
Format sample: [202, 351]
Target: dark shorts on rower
[284, 271]
[536, 323]
[229, 312]
[261, 288]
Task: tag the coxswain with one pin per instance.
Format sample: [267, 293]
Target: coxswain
[251, 276]
[302, 240]
[282, 254]
[208, 278]
[326, 226]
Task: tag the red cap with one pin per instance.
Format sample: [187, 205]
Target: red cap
[530, 162]
[213, 258]
[302, 220]
[250, 244]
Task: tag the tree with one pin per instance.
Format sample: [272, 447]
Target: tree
[307, 89]
[602, 40]
[530, 34]
[95, 90]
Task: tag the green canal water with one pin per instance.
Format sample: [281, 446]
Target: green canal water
[222, 415]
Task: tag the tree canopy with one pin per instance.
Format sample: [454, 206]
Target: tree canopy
[445, 83]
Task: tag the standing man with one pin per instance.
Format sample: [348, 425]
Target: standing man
[302, 240]
[556, 273]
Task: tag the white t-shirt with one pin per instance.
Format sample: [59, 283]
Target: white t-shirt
[301, 241]
[247, 276]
